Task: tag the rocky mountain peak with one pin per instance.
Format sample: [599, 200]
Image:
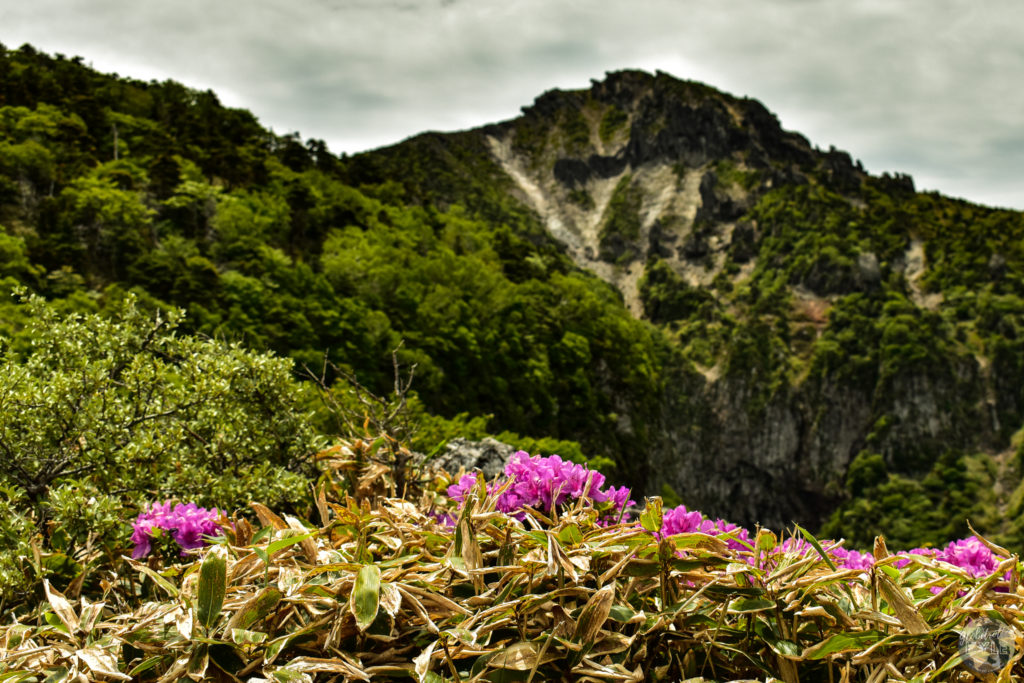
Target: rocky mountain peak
[643, 166]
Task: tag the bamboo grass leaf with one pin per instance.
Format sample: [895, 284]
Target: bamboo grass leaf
[522, 656]
[212, 586]
[159, 580]
[904, 609]
[750, 605]
[810, 538]
[593, 615]
[651, 517]
[240, 636]
[843, 642]
[286, 542]
[390, 599]
[255, 609]
[365, 600]
[65, 612]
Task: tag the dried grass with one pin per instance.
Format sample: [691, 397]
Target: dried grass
[380, 590]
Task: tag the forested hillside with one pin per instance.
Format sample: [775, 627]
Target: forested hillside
[650, 268]
[108, 185]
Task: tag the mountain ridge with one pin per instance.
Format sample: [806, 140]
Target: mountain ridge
[685, 199]
[778, 335]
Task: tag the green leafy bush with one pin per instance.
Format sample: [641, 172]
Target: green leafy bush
[102, 412]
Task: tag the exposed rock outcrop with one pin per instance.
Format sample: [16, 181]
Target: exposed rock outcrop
[487, 455]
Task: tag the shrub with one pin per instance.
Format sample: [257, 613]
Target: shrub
[97, 413]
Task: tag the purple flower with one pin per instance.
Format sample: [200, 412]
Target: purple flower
[970, 554]
[679, 520]
[187, 524]
[543, 483]
[904, 558]
[851, 559]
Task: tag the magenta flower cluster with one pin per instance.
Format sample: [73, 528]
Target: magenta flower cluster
[968, 553]
[545, 482]
[187, 524]
[679, 520]
[542, 483]
[843, 557]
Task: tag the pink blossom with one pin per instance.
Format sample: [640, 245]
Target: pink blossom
[187, 524]
[543, 483]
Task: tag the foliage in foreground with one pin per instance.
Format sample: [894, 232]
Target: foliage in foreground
[380, 589]
[99, 413]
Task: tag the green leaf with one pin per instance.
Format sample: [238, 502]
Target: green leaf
[261, 534]
[239, 636]
[641, 568]
[213, 584]
[291, 676]
[366, 596]
[843, 642]
[621, 613]
[148, 664]
[283, 543]
[651, 517]
[17, 676]
[54, 621]
[766, 540]
[60, 540]
[891, 571]
[686, 565]
[727, 592]
[699, 541]
[745, 605]
[785, 647]
[58, 675]
[256, 608]
[956, 660]
[278, 645]
[199, 661]
[817, 546]
[570, 535]
[159, 580]
[16, 634]
[224, 657]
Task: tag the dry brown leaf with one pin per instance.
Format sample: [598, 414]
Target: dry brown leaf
[421, 663]
[522, 656]
[904, 608]
[268, 517]
[593, 615]
[101, 662]
[390, 599]
[61, 607]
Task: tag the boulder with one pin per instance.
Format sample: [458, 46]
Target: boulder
[487, 455]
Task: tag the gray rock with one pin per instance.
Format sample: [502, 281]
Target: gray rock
[869, 274]
[488, 455]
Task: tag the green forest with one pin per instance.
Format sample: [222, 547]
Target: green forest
[121, 200]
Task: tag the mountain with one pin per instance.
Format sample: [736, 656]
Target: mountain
[849, 347]
[649, 272]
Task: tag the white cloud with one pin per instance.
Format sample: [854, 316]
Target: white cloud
[930, 87]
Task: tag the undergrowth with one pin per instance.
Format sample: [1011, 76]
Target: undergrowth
[378, 587]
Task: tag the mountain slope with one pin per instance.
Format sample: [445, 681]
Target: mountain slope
[843, 340]
[108, 184]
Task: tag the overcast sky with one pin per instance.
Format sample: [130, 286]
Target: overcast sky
[934, 88]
